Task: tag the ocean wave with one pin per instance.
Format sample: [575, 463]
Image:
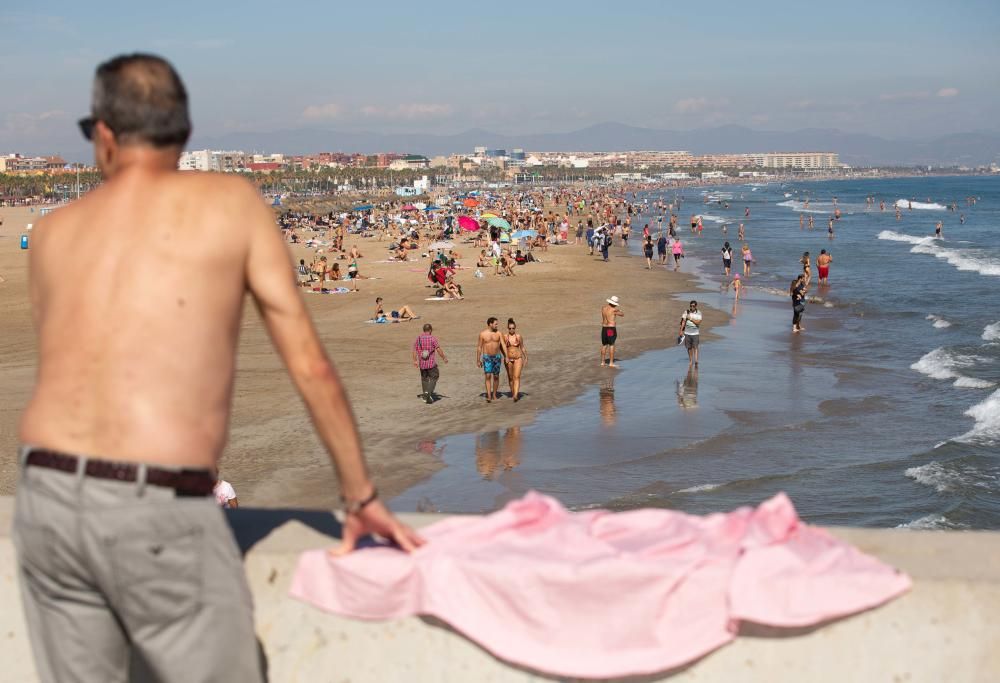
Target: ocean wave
[939, 322]
[992, 332]
[796, 205]
[708, 217]
[930, 522]
[944, 364]
[699, 489]
[933, 206]
[962, 259]
[987, 417]
[948, 478]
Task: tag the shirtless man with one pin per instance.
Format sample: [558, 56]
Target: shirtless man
[490, 358]
[610, 312]
[823, 262]
[130, 412]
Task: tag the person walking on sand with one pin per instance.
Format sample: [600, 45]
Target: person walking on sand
[823, 262]
[424, 349]
[610, 312]
[661, 248]
[489, 356]
[691, 329]
[126, 424]
[516, 355]
[678, 252]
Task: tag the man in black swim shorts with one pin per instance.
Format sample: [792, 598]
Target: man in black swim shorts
[610, 312]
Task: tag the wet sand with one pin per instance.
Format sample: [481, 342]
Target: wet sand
[274, 458]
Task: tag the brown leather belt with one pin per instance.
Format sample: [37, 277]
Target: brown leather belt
[185, 482]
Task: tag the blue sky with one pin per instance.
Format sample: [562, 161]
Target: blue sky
[896, 69]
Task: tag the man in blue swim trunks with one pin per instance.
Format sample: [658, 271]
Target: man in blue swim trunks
[489, 356]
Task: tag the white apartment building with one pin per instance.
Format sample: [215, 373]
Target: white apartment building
[212, 160]
[796, 160]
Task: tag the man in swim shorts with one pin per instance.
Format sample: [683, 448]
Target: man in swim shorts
[609, 330]
[489, 356]
[823, 266]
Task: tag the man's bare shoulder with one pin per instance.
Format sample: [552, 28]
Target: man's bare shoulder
[219, 186]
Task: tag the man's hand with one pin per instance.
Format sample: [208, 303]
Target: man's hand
[375, 518]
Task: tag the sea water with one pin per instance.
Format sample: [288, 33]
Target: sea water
[885, 412]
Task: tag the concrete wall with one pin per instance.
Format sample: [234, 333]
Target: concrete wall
[946, 629]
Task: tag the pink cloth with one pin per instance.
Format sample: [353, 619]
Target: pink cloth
[599, 594]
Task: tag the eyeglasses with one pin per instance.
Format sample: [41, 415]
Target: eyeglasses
[87, 126]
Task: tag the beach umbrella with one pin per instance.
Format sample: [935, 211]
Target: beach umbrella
[524, 233]
[363, 207]
[487, 214]
[409, 207]
[470, 203]
[505, 237]
[420, 205]
[468, 223]
[431, 207]
[498, 223]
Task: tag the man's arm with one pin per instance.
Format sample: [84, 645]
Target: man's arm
[479, 351]
[440, 352]
[270, 278]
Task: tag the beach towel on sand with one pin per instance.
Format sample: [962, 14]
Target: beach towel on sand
[598, 594]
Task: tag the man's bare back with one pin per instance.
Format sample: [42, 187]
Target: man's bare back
[608, 315]
[138, 291]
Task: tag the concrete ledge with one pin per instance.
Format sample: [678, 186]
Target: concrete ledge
[945, 629]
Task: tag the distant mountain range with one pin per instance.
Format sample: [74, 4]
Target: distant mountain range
[968, 149]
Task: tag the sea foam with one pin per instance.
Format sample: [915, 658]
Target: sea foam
[933, 206]
[944, 364]
[962, 259]
[992, 332]
[939, 322]
[987, 417]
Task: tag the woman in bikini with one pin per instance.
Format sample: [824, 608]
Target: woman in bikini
[806, 268]
[512, 345]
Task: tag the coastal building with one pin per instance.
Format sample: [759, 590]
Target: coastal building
[712, 175]
[15, 163]
[213, 160]
[796, 160]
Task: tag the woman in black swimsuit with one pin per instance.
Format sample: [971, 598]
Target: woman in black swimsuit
[516, 355]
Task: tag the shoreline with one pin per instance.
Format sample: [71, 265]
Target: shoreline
[273, 457]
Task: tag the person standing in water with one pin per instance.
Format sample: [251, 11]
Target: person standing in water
[691, 329]
[516, 354]
[610, 312]
[806, 267]
[727, 258]
[747, 259]
[823, 266]
[647, 251]
[797, 291]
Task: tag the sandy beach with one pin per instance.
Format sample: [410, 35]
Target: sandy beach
[273, 457]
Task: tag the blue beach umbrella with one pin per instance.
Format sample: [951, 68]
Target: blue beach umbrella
[524, 233]
[363, 207]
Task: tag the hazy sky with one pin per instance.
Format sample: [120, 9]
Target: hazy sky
[896, 69]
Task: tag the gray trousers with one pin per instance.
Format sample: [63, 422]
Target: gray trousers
[112, 571]
[429, 380]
